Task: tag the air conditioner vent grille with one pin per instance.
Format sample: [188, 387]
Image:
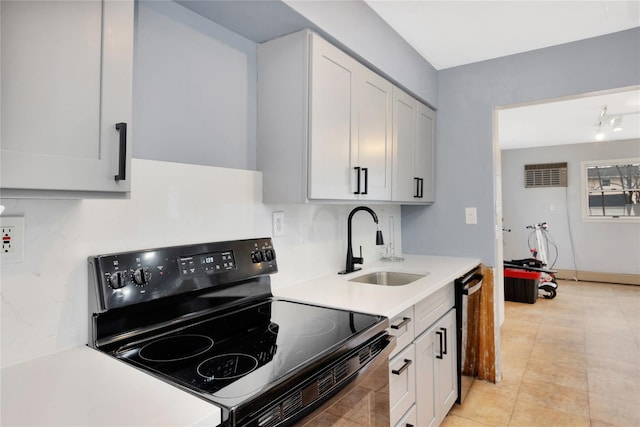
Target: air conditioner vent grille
[545, 175]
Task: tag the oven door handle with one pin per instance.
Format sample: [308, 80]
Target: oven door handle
[466, 289]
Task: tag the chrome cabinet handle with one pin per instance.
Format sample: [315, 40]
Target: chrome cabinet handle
[404, 367]
[122, 159]
[405, 320]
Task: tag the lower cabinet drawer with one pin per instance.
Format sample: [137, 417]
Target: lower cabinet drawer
[401, 327]
[410, 419]
[433, 307]
[402, 383]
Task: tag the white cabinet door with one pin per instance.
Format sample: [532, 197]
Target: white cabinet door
[333, 111]
[402, 383]
[405, 183]
[436, 371]
[410, 419]
[413, 170]
[350, 151]
[426, 350]
[66, 83]
[374, 124]
[423, 153]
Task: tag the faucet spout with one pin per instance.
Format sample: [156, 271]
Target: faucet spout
[351, 260]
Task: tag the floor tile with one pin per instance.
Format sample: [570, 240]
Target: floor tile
[554, 396]
[609, 411]
[570, 361]
[456, 421]
[532, 414]
[484, 408]
[556, 374]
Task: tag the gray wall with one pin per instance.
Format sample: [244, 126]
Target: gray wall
[194, 89]
[194, 83]
[598, 246]
[464, 152]
[358, 29]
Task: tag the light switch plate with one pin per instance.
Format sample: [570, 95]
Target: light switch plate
[471, 215]
[12, 228]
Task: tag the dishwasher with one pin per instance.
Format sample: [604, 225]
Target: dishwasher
[467, 300]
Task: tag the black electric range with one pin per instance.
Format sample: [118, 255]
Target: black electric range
[202, 318]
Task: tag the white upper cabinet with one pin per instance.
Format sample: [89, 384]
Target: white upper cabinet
[66, 97]
[333, 111]
[413, 144]
[324, 123]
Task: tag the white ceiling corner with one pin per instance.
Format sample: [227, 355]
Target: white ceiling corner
[453, 33]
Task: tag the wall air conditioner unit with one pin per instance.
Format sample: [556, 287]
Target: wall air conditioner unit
[545, 175]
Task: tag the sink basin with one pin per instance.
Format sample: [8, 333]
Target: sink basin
[388, 278]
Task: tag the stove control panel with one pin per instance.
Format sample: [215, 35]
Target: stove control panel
[127, 278]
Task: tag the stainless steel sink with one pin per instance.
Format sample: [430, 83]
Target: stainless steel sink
[388, 278]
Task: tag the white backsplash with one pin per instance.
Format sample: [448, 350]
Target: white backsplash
[44, 299]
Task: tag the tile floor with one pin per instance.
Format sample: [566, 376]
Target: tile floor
[570, 361]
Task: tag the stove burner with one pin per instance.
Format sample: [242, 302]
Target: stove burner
[177, 347]
[227, 366]
[307, 328]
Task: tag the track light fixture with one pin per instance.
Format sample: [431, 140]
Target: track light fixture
[605, 120]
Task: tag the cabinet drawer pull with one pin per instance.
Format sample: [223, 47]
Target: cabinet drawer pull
[417, 193]
[366, 180]
[122, 156]
[404, 367]
[444, 349]
[405, 320]
[357, 169]
[409, 425]
[439, 334]
[421, 182]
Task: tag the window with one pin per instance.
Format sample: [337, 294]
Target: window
[611, 189]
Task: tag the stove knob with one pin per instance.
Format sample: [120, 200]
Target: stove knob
[269, 254]
[141, 276]
[256, 257]
[118, 280]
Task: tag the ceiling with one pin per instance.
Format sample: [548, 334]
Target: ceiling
[570, 121]
[453, 33]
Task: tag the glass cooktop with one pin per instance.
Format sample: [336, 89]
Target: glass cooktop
[236, 354]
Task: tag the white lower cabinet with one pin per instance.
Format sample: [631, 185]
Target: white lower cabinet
[402, 383]
[423, 371]
[410, 419]
[436, 385]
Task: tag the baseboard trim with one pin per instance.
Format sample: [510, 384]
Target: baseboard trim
[594, 276]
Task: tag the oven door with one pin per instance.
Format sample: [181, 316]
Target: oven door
[363, 402]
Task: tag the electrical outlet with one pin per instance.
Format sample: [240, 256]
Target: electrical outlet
[278, 224]
[12, 239]
[471, 215]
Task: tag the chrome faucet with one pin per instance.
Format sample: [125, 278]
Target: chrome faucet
[351, 260]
